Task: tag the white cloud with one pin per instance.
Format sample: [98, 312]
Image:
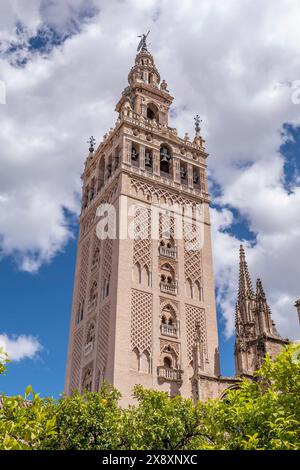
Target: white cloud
[233, 62]
[20, 347]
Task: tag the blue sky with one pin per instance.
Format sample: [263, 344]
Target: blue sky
[39, 305]
[64, 64]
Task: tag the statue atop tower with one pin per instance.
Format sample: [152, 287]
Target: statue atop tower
[143, 42]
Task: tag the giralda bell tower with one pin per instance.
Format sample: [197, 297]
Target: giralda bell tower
[144, 306]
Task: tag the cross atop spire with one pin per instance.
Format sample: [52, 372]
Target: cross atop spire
[245, 284]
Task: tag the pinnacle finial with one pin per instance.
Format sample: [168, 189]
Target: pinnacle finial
[242, 253]
[198, 121]
[245, 284]
[260, 290]
[92, 142]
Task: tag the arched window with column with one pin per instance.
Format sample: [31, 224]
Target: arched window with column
[96, 258]
[189, 289]
[79, 312]
[135, 359]
[169, 321]
[105, 288]
[93, 298]
[91, 333]
[87, 382]
[90, 339]
[167, 248]
[136, 273]
[198, 291]
[168, 282]
[145, 363]
[146, 277]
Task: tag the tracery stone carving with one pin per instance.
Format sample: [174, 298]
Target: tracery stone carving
[83, 270]
[102, 337]
[192, 257]
[96, 253]
[163, 196]
[164, 345]
[142, 241]
[106, 266]
[165, 302]
[166, 225]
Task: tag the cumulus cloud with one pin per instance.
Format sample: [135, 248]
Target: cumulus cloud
[20, 347]
[233, 62]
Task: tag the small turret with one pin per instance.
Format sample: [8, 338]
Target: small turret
[146, 95]
[198, 138]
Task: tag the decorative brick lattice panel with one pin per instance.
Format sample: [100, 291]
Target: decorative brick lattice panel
[147, 191]
[107, 258]
[166, 225]
[192, 257]
[102, 337]
[88, 221]
[142, 237]
[76, 359]
[141, 321]
[193, 315]
[96, 246]
[83, 273]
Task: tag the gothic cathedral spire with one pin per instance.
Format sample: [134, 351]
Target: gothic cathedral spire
[245, 284]
[256, 333]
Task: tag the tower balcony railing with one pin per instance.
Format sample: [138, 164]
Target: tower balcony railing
[88, 349]
[168, 252]
[167, 176]
[169, 330]
[168, 287]
[169, 374]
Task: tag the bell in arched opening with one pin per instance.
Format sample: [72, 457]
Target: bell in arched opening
[165, 159]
